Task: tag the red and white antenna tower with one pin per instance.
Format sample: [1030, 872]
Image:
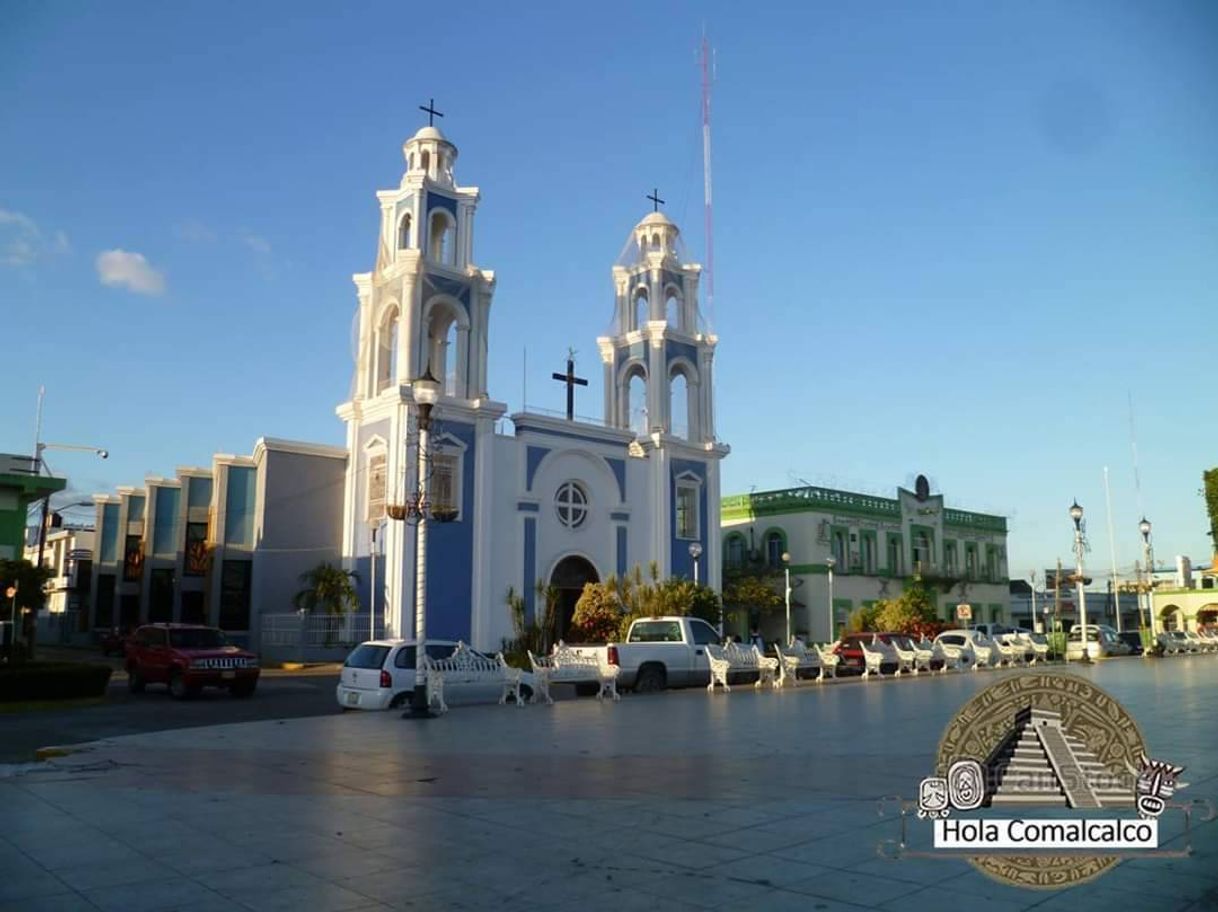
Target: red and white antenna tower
[707, 62]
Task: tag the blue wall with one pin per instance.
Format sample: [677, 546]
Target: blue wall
[450, 553]
[682, 563]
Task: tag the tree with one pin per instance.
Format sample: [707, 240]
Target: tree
[29, 581]
[752, 590]
[598, 614]
[1210, 479]
[911, 613]
[535, 634]
[327, 589]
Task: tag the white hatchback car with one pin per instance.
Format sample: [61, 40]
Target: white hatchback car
[379, 674]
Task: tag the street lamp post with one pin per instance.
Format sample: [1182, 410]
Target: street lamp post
[426, 390]
[1076, 514]
[1036, 623]
[375, 526]
[786, 569]
[695, 552]
[831, 562]
[1148, 560]
[39, 465]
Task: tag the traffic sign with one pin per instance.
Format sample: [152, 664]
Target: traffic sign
[964, 612]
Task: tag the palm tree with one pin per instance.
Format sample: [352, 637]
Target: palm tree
[327, 589]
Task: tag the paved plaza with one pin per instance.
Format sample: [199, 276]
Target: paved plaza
[756, 800]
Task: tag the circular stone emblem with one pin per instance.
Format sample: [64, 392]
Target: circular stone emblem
[1088, 716]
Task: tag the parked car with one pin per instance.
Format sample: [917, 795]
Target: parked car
[963, 642]
[379, 674]
[660, 652]
[850, 649]
[187, 658]
[1116, 645]
[1132, 639]
[1100, 644]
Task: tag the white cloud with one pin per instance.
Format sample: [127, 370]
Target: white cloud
[129, 270]
[255, 242]
[22, 243]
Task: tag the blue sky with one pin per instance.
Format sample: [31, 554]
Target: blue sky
[951, 238]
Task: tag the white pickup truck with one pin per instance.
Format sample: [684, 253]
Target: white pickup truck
[660, 652]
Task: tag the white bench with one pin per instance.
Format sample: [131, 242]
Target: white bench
[829, 660]
[983, 656]
[950, 656]
[465, 666]
[873, 657]
[1009, 654]
[1040, 651]
[906, 658]
[724, 660]
[565, 665]
[796, 658]
[924, 655]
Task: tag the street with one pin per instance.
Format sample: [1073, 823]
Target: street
[280, 695]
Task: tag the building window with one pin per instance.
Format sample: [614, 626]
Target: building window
[160, 603]
[235, 578]
[196, 556]
[443, 238]
[404, 232]
[894, 555]
[688, 521]
[775, 545]
[571, 502]
[921, 551]
[867, 548]
[840, 552]
[376, 487]
[735, 551]
[949, 557]
[133, 559]
[970, 561]
[445, 491]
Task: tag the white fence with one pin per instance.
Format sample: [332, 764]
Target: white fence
[313, 637]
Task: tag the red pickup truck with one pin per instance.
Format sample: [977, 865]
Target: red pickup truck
[187, 658]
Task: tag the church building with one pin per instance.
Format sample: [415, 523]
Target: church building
[557, 502]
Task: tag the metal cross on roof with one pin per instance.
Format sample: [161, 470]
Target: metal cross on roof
[655, 199]
[572, 381]
[432, 113]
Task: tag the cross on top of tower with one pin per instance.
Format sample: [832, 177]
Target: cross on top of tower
[655, 199]
[432, 113]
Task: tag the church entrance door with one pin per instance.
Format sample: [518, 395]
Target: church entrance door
[569, 578]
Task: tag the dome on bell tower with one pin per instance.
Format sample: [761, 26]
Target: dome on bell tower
[430, 154]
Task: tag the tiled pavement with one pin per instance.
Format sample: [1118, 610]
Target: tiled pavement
[755, 800]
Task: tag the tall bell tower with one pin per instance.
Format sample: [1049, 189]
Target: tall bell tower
[658, 368]
[425, 306]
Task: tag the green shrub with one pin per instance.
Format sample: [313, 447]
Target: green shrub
[53, 681]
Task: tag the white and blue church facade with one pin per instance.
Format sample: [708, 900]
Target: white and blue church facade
[556, 502]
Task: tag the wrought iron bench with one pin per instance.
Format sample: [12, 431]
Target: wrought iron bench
[465, 666]
[906, 658]
[829, 660]
[796, 658]
[733, 657]
[874, 655]
[565, 665]
[924, 655]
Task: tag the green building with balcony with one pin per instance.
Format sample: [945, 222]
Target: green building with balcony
[855, 549]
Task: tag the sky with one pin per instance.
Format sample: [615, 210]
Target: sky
[977, 241]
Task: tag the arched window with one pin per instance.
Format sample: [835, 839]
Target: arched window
[425, 160]
[404, 232]
[678, 404]
[672, 310]
[450, 360]
[734, 551]
[387, 350]
[641, 313]
[410, 162]
[442, 236]
[775, 545]
[655, 241]
[636, 402]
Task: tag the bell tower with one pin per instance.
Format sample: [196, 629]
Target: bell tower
[424, 307]
[658, 382]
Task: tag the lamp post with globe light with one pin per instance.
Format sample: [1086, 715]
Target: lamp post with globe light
[695, 552]
[786, 569]
[1076, 514]
[1148, 560]
[831, 562]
